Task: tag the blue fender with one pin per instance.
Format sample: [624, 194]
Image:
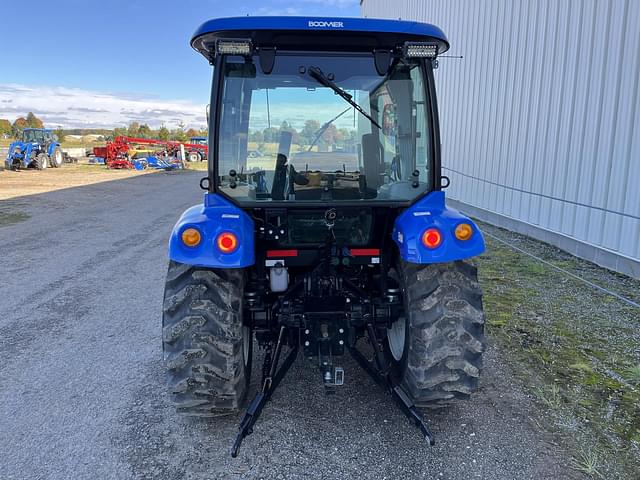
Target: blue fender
[52, 146]
[216, 216]
[428, 212]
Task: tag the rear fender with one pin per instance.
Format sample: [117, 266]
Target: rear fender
[431, 211]
[52, 147]
[216, 216]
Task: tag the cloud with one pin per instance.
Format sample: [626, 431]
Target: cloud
[78, 108]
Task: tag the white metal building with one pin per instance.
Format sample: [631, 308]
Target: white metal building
[541, 118]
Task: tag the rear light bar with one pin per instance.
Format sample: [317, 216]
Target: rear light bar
[420, 50]
[234, 47]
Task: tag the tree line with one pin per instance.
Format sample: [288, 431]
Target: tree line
[135, 129]
[311, 133]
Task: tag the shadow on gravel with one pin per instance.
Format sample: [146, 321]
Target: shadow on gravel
[356, 433]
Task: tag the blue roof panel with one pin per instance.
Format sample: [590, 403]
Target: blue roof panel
[302, 25]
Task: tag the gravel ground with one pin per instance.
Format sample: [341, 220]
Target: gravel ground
[81, 392]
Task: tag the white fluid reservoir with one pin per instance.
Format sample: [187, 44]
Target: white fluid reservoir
[279, 278]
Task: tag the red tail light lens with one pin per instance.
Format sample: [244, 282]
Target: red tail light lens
[431, 238]
[227, 242]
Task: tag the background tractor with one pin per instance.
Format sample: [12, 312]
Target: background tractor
[38, 148]
[337, 243]
[197, 149]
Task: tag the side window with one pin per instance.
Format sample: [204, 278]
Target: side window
[420, 115]
[387, 113]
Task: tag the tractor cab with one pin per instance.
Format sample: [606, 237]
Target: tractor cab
[324, 223]
[342, 111]
[40, 136]
[198, 140]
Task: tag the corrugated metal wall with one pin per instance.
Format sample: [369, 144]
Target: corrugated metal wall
[541, 119]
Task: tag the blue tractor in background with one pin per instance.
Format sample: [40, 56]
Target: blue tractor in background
[39, 148]
[334, 237]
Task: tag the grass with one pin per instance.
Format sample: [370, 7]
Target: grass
[575, 348]
[588, 462]
[10, 218]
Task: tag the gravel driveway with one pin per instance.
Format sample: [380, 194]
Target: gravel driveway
[81, 393]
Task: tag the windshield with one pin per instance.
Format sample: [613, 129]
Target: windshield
[323, 128]
[33, 136]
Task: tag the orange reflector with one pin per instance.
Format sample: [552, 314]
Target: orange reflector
[227, 242]
[431, 238]
[464, 231]
[191, 237]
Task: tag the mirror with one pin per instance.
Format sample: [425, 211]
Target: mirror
[389, 120]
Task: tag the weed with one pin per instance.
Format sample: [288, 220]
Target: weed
[588, 461]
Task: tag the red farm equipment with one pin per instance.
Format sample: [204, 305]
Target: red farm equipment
[120, 152]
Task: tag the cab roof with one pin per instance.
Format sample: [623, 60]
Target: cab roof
[316, 33]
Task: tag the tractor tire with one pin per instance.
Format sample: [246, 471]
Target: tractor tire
[194, 157]
[41, 161]
[57, 158]
[441, 357]
[207, 348]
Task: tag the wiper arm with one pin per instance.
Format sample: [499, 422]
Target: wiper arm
[318, 76]
[324, 128]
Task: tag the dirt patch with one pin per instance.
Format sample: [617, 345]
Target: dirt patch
[575, 348]
[30, 181]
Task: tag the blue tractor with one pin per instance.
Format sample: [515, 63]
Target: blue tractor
[39, 148]
[336, 238]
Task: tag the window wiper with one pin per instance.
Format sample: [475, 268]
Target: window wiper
[324, 128]
[318, 76]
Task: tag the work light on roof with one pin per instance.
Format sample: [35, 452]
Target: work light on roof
[234, 47]
[420, 50]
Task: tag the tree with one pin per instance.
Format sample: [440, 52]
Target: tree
[134, 129]
[270, 135]
[256, 136]
[5, 127]
[59, 133]
[308, 132]
[330, 135]
[178, 135]
[33, 121]
[18, 126]
[192, 132]
[119, 132]
[144, 131]
[163, 133]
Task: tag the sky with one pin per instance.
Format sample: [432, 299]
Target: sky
[102, 64]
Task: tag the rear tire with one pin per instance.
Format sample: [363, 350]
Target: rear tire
[56, 158]
[207, 349]
[441, 358]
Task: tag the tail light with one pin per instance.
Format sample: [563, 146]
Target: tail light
[431, 238]
[227, 242]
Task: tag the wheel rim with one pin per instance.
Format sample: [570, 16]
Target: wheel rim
[57, 157]
[396, 338]
[45, 164]
[194, 157]
[246, 339]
